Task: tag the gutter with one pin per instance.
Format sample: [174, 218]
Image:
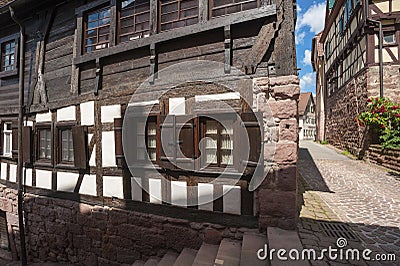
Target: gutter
[20, 125]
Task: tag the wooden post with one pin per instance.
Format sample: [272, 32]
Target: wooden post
[228, 49]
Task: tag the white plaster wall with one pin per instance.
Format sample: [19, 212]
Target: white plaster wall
[136, 189]
[231, 199]
[108, 113]
[66, 114]
[179, 193]
[87, 113]
[3, 171]
[43, 179]
[113, 186]
[217, 97]
[13, 172]
[43, 117]
[28, 123]
[66, 181]
[177, 106]
[88, 186]
[205, 196]
[108, 149]
[155, 190]
[92, 160]
[28, 177]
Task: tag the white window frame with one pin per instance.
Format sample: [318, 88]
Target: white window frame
[385, 34]
[7, 132]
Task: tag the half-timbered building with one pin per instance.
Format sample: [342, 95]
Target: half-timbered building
[359, 61]
[80, 65]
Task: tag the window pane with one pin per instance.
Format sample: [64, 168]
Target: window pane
[97, 30]
[8, 56]
[7, 143]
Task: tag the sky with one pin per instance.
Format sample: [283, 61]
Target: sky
[310, 21]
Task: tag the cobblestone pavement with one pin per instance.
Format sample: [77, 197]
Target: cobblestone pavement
[348, 193]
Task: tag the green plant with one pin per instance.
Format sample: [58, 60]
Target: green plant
[346, 152]
[383, 118]
[324, 142]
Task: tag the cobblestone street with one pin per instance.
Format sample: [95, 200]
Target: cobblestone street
[360, 199]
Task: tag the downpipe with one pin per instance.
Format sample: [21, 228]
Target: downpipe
[20, 125]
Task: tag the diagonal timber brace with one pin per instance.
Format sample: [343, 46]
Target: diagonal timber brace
[264, 39]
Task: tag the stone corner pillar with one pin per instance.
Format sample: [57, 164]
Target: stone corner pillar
[276, 197]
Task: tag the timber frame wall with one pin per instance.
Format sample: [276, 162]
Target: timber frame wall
[87, 93]
[351, 65]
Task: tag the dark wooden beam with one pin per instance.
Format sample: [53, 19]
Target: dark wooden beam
[203, 10]
[99, 71]
[153, 16]
[81, 9]
[212, 24]
[113, 23]
[228, 49]
[153, 63]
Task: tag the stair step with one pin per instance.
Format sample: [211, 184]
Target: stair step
[284, 239]
[186, 257]
[228, 253]
[252, 242]
[151, 262]
[168, 259]
[138, 263]
[206, 255]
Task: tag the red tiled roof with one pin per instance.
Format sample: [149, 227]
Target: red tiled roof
[303, 100]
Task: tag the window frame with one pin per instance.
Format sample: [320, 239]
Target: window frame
[4, 132]
[119, 27]
[179, 11]
[85, 28]
[202, 134]
[60, 127]
[38, 160]
[14, 71]
[389, 33]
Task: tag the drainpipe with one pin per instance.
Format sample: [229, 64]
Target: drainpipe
[379, 23]
[20, 124]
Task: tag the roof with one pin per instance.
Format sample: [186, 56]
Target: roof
[317, 48]
[303, 101]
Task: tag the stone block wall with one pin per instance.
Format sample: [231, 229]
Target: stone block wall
[277, 195]
[389, 158]
[391, 84]
[60, 230]
[342, 107]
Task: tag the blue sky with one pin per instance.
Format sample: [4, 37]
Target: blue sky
[310, 21]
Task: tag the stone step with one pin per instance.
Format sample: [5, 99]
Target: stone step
[186, 257]
[228, 253]
[287, 240]
[138, 263]
[252, 243]
[151, 262]
[206, 255]
[168, 259]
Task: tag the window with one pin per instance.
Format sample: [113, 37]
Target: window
[44, 144]
[218, 148]
[134, 22]
[66, 148]
[389, 38]
[97, 29]
[7, 139]
[8, 56]
[224, 7]
[178, 13]
[151, 139]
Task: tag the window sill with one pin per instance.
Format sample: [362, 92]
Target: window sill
[66, 166]
[9, 73]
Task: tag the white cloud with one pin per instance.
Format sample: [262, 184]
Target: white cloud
[307, 57]
[300, 37]
[298, 8]
[314, 18]
[307, 82]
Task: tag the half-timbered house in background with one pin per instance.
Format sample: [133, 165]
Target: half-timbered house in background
[81, 63]
[354, 63]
